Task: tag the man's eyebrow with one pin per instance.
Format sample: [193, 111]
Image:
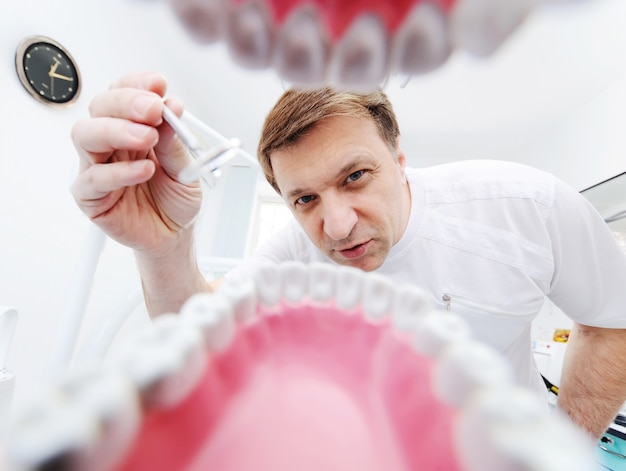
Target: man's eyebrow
[296, 191]
[348, 168]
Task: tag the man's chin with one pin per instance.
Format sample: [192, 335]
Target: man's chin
[367, 263]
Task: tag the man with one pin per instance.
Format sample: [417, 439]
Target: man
[489, 240]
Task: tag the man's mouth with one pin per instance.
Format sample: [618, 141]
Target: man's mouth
[355, 251]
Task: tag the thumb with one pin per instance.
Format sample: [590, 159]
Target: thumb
[171, 151]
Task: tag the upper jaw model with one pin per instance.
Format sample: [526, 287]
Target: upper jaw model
[356, 44]
[304, 367]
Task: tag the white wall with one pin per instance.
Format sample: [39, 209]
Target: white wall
[590, 146]
[42, 233]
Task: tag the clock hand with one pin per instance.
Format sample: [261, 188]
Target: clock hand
[53, 67]
[59, 76]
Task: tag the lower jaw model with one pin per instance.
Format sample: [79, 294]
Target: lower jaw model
[355, 44]
[303, 367]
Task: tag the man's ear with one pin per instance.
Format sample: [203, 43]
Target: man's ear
[401, 160]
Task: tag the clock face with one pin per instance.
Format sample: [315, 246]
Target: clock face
[47, 71]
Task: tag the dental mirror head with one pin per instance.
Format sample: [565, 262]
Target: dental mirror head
[207, 159]
[210, 160]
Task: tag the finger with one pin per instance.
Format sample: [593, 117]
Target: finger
[128, 103]
[175, 105]
[146, 80]
[98, 181]
[96, 139]
[166, 133]
[172, 153]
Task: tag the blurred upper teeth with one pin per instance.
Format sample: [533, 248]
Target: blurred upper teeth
[481, 26]
[296, 41]
[251, 35]
[205, 19]
[423, 41]
[301, 50]
[360, 57]
[162, 365]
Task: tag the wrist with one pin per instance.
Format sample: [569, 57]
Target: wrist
[171, 275]
[171, 252]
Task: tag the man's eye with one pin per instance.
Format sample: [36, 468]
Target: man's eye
[304, 199]
[354, 176]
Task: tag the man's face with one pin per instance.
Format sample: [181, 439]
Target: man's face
[346, 189]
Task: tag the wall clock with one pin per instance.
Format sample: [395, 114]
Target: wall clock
[47, 71]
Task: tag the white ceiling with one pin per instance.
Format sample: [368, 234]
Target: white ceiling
[561, 58]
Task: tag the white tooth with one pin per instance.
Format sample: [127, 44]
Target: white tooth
[411, 304]
[378, 296]
[213, 315]
[47, 431]
[422, 43]
[322, 282]
[489, 413]
[563, 446]
[481, 26]
[438, 330]
[269, 283]
[295, 278]
[464, 368]
[510, 428]
[165, 362]
[300, 55]
[204, 19]
[349, 288]
[111, 400]
[359, 59]
[241, 293]
[250, 35]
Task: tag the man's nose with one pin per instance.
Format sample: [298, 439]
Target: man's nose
[339, 218]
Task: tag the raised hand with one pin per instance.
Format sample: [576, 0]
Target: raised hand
[129, 162]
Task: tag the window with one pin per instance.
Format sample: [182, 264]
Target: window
[270, 215]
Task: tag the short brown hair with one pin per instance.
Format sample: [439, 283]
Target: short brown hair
[299, 110]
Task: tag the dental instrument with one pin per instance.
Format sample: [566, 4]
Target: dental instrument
[207, 159]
